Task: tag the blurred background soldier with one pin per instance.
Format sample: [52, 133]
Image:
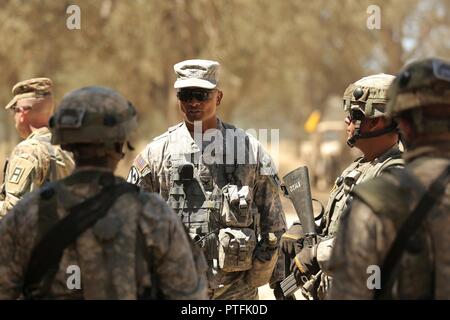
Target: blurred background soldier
[400, 221]
[92, 235]
[33, 161]
[377, 138]
[226, 198]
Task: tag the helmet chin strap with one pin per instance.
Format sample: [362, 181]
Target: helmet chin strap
[358, 135]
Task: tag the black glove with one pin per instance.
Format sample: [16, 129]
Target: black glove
[305, 262]
[278, 293]
[290, 240]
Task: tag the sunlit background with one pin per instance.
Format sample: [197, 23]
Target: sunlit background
[284, 64]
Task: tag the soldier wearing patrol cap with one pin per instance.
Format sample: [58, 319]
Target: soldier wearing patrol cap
[231, 208]
[33, 161]
[377, 138]
[398, 229]
[126, 244]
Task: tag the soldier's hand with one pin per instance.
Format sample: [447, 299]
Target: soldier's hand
[278, 293]
[290, 240]
[305, 262]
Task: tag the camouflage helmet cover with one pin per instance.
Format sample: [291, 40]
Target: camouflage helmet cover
[368, 95]
[421, 83]
[92, 115]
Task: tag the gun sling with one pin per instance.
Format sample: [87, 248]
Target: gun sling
[45, 258]
[410, 227]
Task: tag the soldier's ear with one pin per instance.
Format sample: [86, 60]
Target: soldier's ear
[219, 97]
[22, 116]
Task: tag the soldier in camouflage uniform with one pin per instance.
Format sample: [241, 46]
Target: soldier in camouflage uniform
[369, 131]
[35, 160]
[227, 198]
[400, 221]
[127, 244]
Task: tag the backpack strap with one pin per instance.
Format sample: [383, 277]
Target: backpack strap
[57, 235]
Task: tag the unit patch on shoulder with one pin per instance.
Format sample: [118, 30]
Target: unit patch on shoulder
[18, 173]
[133, 175]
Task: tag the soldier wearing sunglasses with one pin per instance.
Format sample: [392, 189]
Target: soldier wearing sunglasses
[378, 139]
[231, 209]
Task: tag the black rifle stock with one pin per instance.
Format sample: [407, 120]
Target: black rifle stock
[298, 189]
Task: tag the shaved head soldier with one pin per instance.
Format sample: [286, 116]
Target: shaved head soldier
[35, 160]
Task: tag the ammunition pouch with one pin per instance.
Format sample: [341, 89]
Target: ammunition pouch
[237, 206]
[236, 248]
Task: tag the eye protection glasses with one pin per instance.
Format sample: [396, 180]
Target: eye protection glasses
[199, 95]
[16, 109]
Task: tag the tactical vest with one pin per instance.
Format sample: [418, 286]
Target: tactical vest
[215, 208]
[394, 196]
[356, 173]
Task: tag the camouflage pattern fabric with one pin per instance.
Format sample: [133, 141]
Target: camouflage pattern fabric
[109, 257]
[340, 197]
[31, 165]
[152, 170]
[366, 235]
[354, 174]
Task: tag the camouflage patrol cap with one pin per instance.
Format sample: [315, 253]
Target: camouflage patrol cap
[31, 88]
[93, 115]
[196, 73]
[369, 95]
[419, 84]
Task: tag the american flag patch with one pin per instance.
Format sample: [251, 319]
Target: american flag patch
[140, 163]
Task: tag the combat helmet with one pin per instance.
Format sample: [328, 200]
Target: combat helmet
[367, 98]
[422, 84]
[93, 115]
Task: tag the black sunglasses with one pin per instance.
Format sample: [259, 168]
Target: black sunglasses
[199, 95]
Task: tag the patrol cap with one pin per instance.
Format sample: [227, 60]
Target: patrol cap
[196, 73]
[422, 83]
[31, 88]
[369, 95]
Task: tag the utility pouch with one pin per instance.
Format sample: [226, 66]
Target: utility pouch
[236, 248]
[237, 211]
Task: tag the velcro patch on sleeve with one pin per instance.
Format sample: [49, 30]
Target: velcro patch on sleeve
[18, 175]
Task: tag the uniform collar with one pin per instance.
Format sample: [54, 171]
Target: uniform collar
[39, 132]
[180, 135]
